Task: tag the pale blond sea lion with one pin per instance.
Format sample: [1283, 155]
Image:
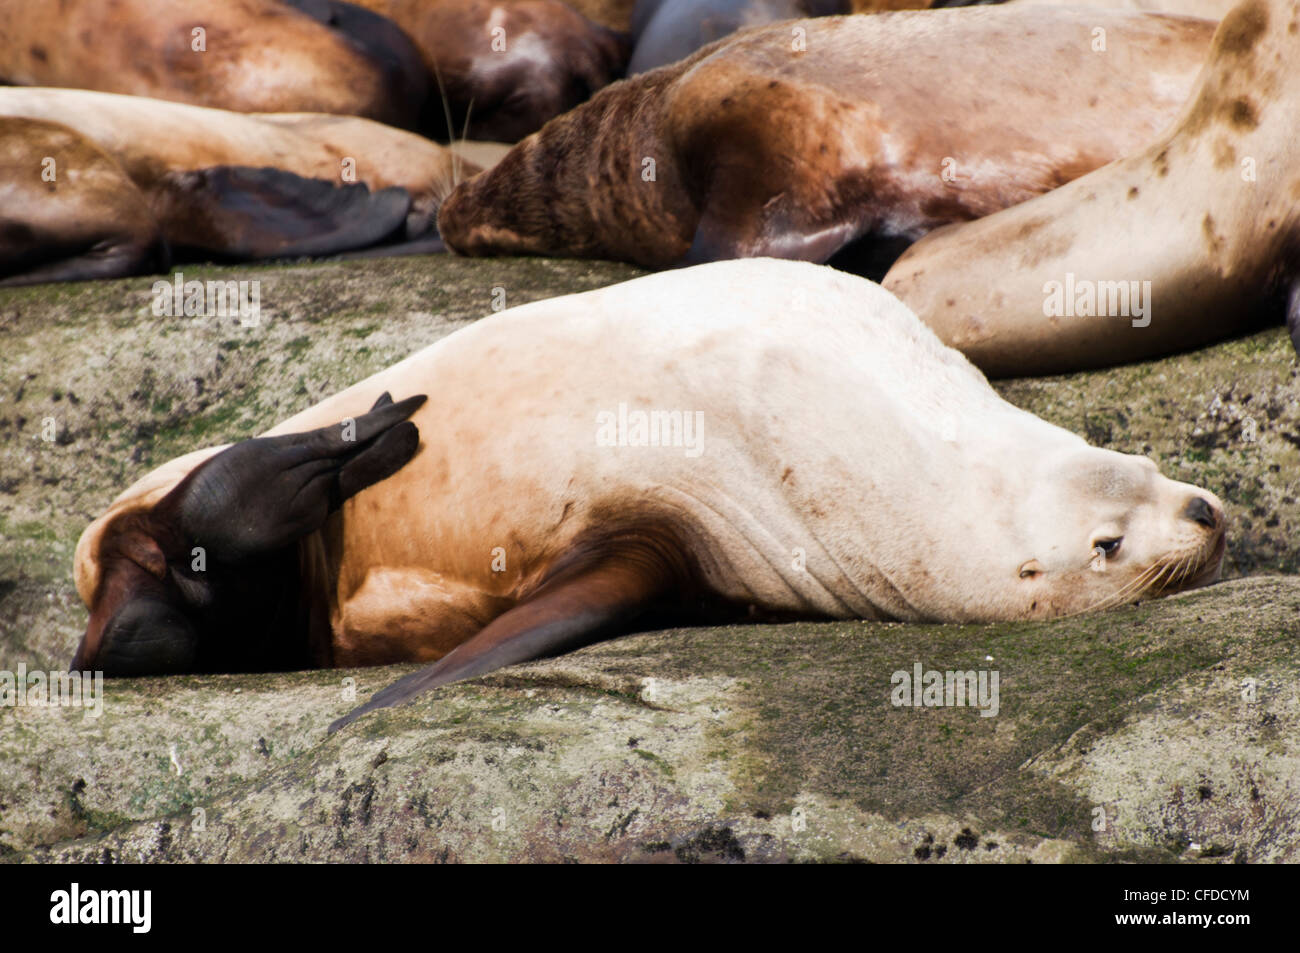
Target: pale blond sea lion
[848, 136]
[1191, 239]
[746, 437]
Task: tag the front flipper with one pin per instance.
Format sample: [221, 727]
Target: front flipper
[268, 492]
[241, 213]
[577, 608]
[745, 231]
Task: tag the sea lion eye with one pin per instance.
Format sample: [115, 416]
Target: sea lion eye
[1108, 547]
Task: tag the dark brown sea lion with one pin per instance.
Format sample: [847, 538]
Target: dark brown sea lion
[684, 446]
[506, 66]
[1190, 239]
[318, 56]
[237, 186]
[875, 134]
[67, 210]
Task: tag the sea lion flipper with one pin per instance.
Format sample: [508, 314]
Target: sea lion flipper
[261, 495]
[585, 607]
[719, 236]
[244, 213]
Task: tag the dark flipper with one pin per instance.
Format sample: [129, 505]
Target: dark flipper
[579, 607]
[242, 213]
[266, 493]
[112, 257]
[738, 228]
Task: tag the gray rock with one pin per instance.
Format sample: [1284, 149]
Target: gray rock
[1166, 731]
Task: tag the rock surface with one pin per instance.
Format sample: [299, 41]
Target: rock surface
[1168, 731]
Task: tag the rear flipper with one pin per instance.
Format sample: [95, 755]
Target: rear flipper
[587, 604]
[241, 213]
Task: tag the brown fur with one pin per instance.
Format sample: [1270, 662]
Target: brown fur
[507, 94]
[261, 56]
[90, 221]
[760, 150]
[1219, 249]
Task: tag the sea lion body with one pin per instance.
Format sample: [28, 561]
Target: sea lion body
[830, 462]
[875, 135]
[247, 56]
[665, 31]
[505, 66]
[298, 187]
[88, 222]
[1203, 223]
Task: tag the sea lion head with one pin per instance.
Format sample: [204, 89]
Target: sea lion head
[1102, 529]
[198, 566]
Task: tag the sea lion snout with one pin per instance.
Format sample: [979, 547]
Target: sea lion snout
[1200, 510]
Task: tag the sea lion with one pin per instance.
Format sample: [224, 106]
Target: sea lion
[92, 224]
[1194, 237]
[858, 146]
[318, 56]
[244, 186]
[665, 31]
[1207, 9]
[684, 446]
[505, 66]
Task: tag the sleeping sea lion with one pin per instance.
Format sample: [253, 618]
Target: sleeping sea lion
[849, 136]
[239, 186]
[754, 437]
[93, 223]
[505, 66]
[1194, 237]
[245, 55]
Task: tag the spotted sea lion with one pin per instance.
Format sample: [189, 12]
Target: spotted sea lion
[873, 135]
[95, 224]
[245, 55]
[688, 445]
[1192, 238]
[506, 66]
[242, 186]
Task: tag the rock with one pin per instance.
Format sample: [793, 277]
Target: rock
[1131, 735]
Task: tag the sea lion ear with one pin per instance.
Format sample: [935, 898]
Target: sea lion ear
[1031, 568]
[261, 495]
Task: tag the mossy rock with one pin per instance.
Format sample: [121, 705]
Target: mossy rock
[1161, 732]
